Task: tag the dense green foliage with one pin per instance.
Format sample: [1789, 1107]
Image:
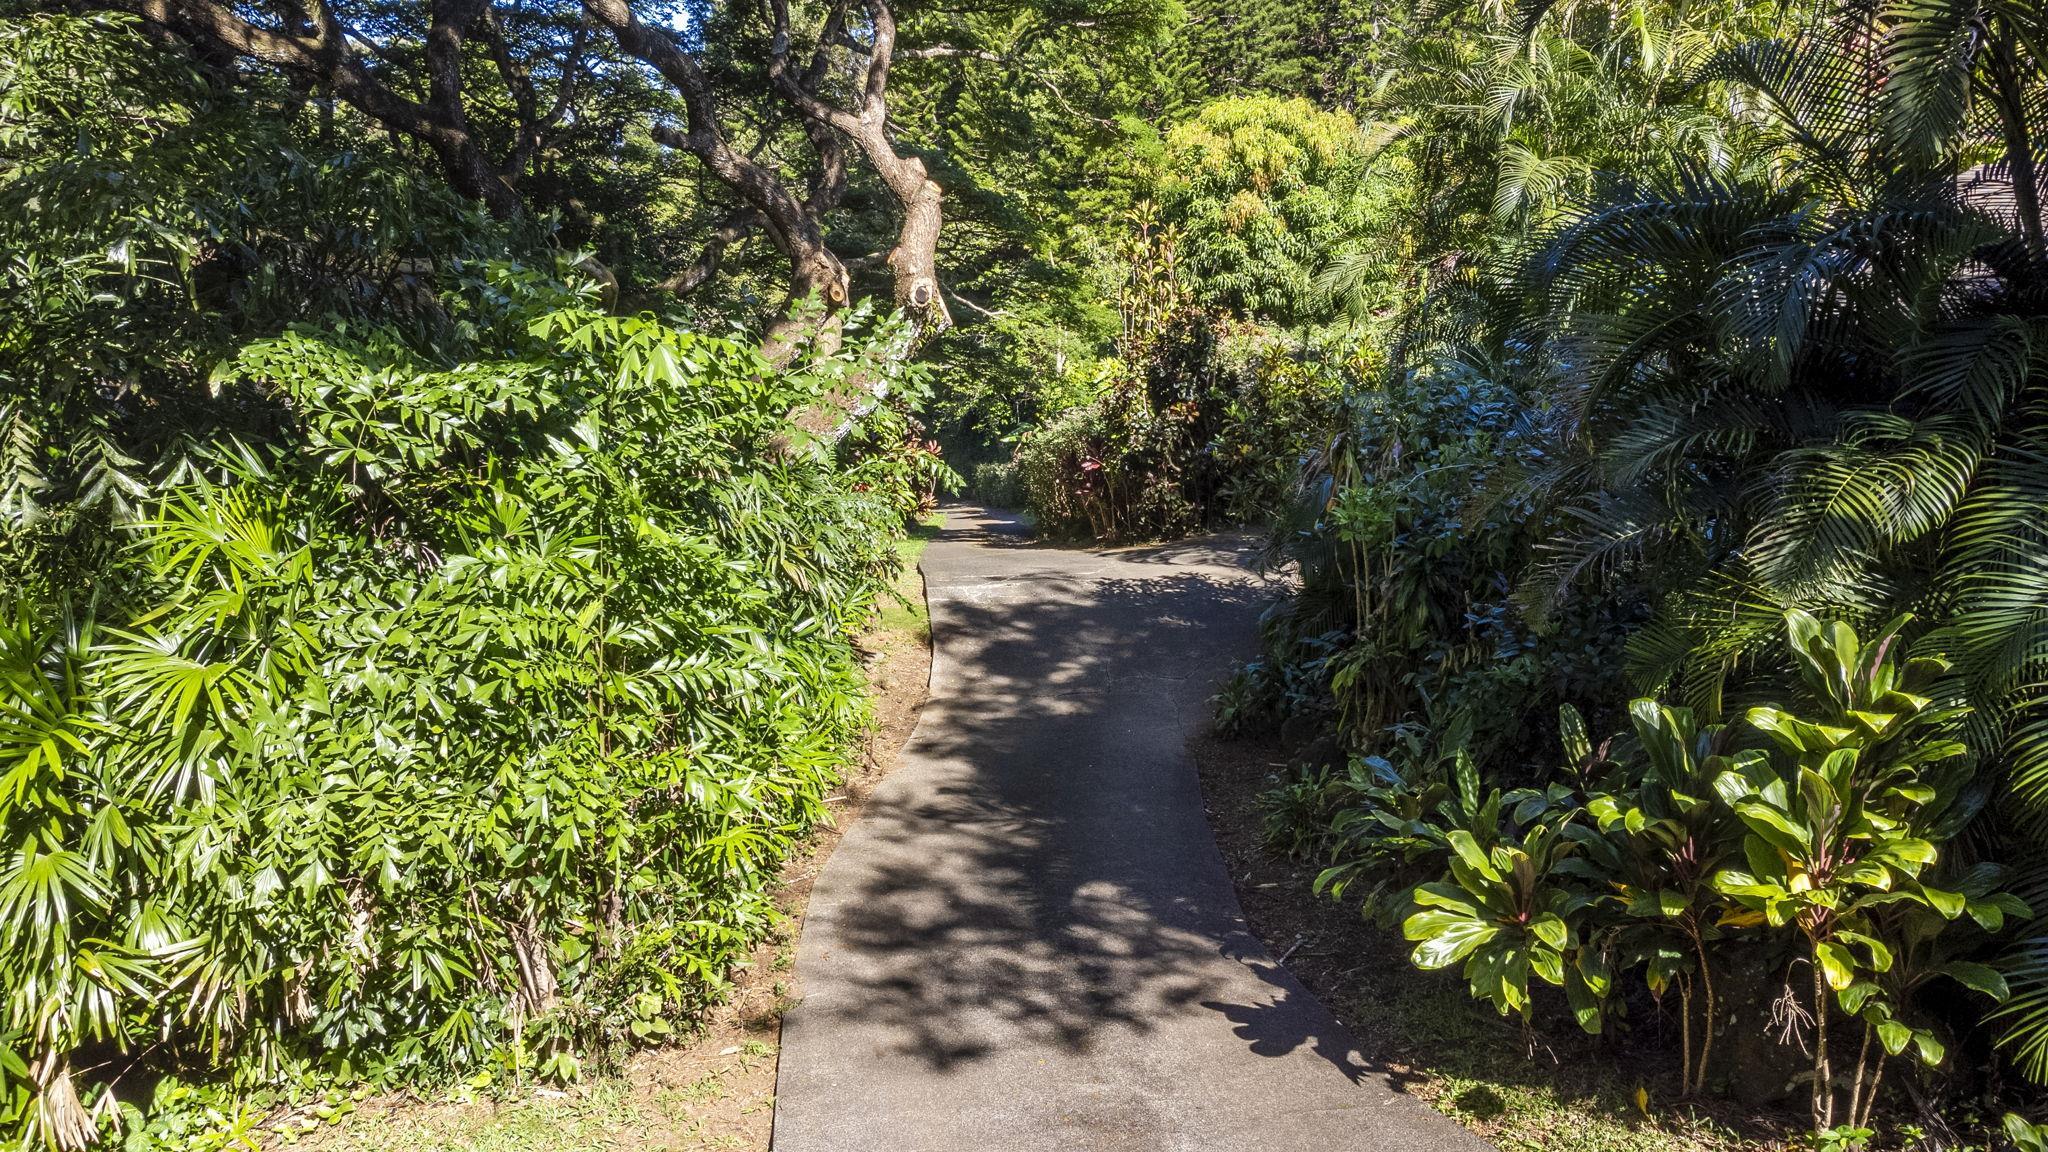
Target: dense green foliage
[424, 640]
[505, 777]
[1261, 191]
[1810, 838]
[408, 667]
[1690, 322]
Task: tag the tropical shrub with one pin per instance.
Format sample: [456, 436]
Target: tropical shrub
[1758, 303]
[1657, 839]
[1204, 415]
[151, 223]
[1650, 856]
[1409, 534]
[1503, 912]
[1843, 823]
[1192, 440]
[1278, 404]
[1262, 189]
[458, 720]
[995, 485]
[1106, 471]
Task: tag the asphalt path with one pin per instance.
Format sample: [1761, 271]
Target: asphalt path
[1028, 940]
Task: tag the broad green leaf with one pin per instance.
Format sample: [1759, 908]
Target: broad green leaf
[1836, 964]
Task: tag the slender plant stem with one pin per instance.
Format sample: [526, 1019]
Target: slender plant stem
[1823, 1091]
[1699, 947]
[1685, 1037]
[1862, 1064]
[1870, 1097]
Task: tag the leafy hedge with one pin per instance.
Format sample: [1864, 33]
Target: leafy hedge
[1207, 422]
[460, 720]
[995, 484]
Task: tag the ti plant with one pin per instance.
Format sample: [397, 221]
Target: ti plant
[1660, 835]
[2023, 1135]
[1507, 907]
[1397, 825]
[1931, 934]
[1400, 809]
[1507, 914]
[1837, 817]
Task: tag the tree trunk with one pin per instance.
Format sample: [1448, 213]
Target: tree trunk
[914, 260]
[1862, 1068]
[817, 293]
[2010, 100]
[1699, 946]
[471, 173]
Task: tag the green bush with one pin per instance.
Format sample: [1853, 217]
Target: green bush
[1265, 190]
[995, 484]
[1277, 404]
[1815, 834]
[1106, 471]
[434, 686]
[460, 721]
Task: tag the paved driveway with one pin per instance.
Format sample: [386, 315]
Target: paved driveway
[1028, 940]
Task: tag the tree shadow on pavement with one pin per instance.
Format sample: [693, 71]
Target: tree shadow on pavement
[1041, 872]
[1284, 1023]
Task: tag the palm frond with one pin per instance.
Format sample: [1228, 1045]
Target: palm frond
[1840, 508]
[1930, 56]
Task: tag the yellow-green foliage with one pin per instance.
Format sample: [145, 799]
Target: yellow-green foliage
[1265, 191]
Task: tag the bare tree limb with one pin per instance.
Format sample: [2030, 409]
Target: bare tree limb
[534, 124]
[972, 306]
[947, 51]
[914, 259]
[730, 231]
[814, 270]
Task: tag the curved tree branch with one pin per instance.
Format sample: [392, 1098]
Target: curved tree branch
[318, 48]
[914, 260]
[729, 231]
[949, 51]
[814, 270]
[534, 124]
